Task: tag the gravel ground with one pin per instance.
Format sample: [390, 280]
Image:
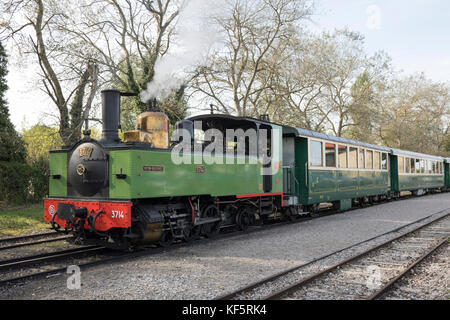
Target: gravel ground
[359, 278]
[210, 269]
[430, 280]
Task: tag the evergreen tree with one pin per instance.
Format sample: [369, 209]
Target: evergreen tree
[11, 145]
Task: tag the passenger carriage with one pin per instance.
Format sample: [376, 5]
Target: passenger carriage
[416, 172]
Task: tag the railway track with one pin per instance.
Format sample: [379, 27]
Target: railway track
[17, 263]
[28, 267]
[116, 256]
[30, 240]
[365, 275]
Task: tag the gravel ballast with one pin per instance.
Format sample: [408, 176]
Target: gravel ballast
[213, 268]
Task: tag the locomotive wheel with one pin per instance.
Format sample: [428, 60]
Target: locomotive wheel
[210, 212]
[290, 213]
[210, 230]
[166, 239]
[187, 234]
[243, 219]
[195, 232]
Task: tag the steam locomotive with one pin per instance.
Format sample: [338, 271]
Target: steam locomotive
[122, 194]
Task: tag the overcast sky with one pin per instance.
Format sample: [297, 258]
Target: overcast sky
[415, 33]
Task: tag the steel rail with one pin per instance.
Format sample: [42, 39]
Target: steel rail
[26, 244]
[289, 289]
[152, 251]
[271, 278]
[27, 237]
[322, 214]
[46, 257]
[389, 285]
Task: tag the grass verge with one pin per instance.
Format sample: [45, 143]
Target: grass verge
[17, 221]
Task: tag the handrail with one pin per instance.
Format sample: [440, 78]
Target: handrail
[292, 182]
[306, 175]
[297, 185]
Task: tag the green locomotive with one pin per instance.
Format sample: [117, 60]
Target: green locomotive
[147, 189]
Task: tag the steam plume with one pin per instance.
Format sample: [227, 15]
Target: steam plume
[195, 36]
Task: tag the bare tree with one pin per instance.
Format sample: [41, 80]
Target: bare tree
[34, 25]
[127, 37]
[240, 77]
[415, 114]
[345, 60]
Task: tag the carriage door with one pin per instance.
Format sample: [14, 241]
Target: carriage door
[289, 187]
[266, 150]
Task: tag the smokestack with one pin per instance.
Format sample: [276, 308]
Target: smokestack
[152, 105]
[110, 115]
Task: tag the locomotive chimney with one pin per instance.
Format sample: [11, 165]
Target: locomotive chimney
[152, 105]
[110, 115]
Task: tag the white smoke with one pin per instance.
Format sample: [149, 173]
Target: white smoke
[195, 37]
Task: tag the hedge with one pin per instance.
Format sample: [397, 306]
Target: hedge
[22, 183]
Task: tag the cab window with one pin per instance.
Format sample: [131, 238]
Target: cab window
[330, 155]
[369, 159]
[362, 159]
[353, 158]
[376, 161]
[407, 165]
[384, 164]
[401, 165]
[422, 166]
[316, 153]
[342, 151]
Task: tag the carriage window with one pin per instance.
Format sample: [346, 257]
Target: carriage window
[413, 166]
[362, 159]
[417, 165]
[429, 167]
[407, 165]
[316, 153]
[369, 159]
[384, 161]
[330, 155]
[353, 158]
[441, 168]
[422, 166]
[401, 165]
[342, 150]
[433, 167]
[376, 161]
